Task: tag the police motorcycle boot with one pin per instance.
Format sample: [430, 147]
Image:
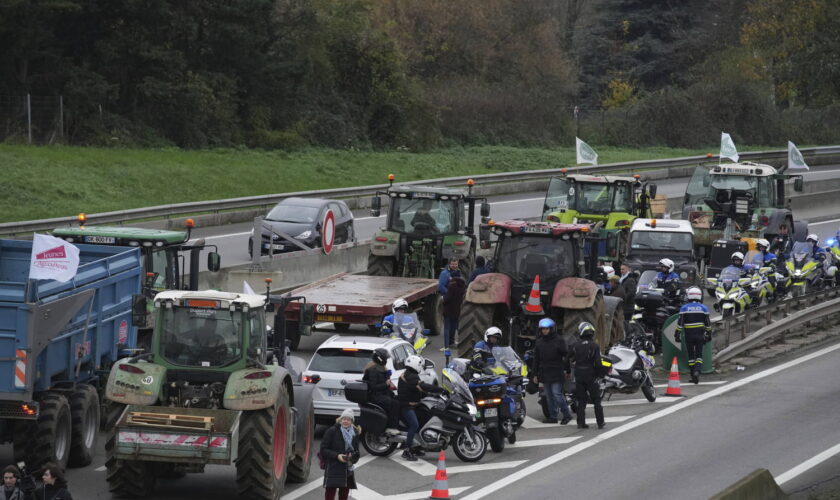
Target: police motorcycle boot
[602, 425]
[408, 455]
[418, 451]
[583, 426]
[566, 419]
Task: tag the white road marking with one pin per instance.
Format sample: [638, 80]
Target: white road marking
[317, 483]
[532, 423]
[226, 236]
[365, 493]
[421, 467]
[808, 464]
[543, 442]
[458, 469]
[625, 402]
[711, 382]
[493, 488]
[100, 469]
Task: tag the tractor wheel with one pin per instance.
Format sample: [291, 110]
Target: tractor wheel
[615, 319]
[380, 266]
[302, 459]
[20, 441]
[572, 318]
[264, 439]
[126, 478]
[53, 428]
[84, 413]
[474, 320]
[433, 314]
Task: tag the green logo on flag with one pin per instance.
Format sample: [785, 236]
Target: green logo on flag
[587, 153]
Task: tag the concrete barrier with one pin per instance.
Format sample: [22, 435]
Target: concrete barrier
[758, 485]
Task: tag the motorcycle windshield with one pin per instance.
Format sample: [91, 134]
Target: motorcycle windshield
[754, 258]
[645, 279]
[455, 385]
[801, 250]
[506, 359]
[730, 273]
[406, 325]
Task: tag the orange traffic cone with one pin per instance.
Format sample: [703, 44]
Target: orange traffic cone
[534, 305]
[674, 380]
[440, 490]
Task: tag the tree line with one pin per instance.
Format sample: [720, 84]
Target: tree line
[433, 73]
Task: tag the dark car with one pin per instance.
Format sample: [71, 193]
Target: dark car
[301, 219]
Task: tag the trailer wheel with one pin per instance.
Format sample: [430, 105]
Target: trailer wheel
[474, 320]
[84, 413]
[126, 478]
[302, 460]
[264, 450]
[380, 266]
[52, 432]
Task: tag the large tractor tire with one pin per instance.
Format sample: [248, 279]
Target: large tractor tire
[474, 320]
[264, 450]
[615, 319]
[433, 314]
[596, 315]
[84, 413]
[20, 441]
[51, 442]
[126, 478]
[380, 266]
[301, 461]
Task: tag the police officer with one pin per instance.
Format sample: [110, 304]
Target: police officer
[381, 389]
[483, 349]
[666, 274]
[400, 306]
[586, 356]
[782, 243]
[763, 246]
[695, 324]
[817, 253]
[737, 260]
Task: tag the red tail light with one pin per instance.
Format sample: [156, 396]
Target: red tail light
[381, 239]
[622, 223]
[258, 375]
[131, 369]
[459, 243]
[764, 220]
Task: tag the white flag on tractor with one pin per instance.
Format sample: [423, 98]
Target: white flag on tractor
[585, 154]
[246, 288]
[795, 158]
[727, 148]
[53, 259]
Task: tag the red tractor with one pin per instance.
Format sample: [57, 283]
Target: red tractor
[539, 271]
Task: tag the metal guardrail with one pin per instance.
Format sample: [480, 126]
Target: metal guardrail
[828, 302]
[215, 206]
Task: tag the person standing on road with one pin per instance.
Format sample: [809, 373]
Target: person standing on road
[410, 390]
[550, 365]
[380, 388]
[11, 491]
[452, 301]
[443, 280]
[782, 243]
[694, 322]
[629, 283]
[54, 487]
[481, 267]
[586, 356]
[340, 450]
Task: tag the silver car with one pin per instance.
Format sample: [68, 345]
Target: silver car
[342, 359]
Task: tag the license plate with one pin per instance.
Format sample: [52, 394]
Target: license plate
[330, 318]
[336, 392]
[107, 240]
[276, 246]
[491, 412]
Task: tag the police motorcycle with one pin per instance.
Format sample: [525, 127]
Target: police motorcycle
[407, 326]
[630, 370]
[806, 272]
[446, 418]
[730, 292]
[499, 391]
[760, 289]
[832, 249]
[653, 306]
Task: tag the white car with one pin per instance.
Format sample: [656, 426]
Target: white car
[342, 359]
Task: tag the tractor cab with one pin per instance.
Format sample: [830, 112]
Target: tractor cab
[615, 201]
[424, 228]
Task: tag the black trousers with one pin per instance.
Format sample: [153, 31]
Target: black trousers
[586, 389]
[391, 407]
[695, 352]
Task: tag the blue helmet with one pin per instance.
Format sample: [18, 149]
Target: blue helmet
[546, 323]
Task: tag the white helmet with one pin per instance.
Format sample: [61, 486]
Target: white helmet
[813, 237]
[493, 331]
[415, 362]
[399, 304]
[694, 293]
[667, 263]
[737, 255]
[609, 271]
[762, 243]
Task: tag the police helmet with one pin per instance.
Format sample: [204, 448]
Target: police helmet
[694, 294]
[668, 264]
[493, 331]
[586, 330]
[380, 355]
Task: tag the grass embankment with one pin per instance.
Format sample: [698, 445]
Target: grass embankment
[57, 181]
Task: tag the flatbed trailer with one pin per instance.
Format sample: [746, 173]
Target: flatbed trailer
[353, 299]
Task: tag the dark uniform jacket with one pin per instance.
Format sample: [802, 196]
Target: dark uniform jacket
[408, 390]
[336, 473]
[376, 377]
[629, 284]
[550, 362]
[694, 321]
[585, 354]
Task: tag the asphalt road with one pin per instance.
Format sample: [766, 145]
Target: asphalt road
[232, 240]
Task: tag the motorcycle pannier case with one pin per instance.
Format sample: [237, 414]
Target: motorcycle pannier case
[356, 392]
[372, 420]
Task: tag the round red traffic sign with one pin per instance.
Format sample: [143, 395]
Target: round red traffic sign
[328, 232]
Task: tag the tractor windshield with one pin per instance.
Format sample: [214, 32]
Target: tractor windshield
[201, 337]
[661, 240]
[423, 216]
[524, 257]
[588, 197]
[703, 185]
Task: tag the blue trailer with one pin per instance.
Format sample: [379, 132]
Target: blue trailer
[57, 344]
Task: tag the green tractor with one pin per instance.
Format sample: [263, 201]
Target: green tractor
[426, 226]
[610, 202]
[216, 387]
[162, 263]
